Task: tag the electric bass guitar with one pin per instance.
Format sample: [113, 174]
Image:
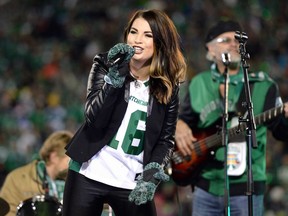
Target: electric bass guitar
[186, 169]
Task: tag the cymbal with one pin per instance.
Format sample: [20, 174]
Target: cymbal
[5, 208]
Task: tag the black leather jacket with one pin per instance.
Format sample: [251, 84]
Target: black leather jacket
[104, 110]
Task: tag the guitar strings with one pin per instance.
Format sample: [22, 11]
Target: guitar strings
[216, 138]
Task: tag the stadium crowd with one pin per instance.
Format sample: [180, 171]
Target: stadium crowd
[46, 49]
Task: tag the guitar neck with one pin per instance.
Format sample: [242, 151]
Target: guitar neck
[259, 119]
[216, 139]
[269, 114]
[186, 169]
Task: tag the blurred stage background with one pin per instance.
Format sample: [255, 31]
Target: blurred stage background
[46, 51]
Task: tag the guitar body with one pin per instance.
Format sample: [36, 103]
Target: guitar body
[185, 170]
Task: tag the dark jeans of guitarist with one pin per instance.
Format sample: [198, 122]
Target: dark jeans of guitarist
[214, 205]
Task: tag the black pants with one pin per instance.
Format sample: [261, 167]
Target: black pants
[85, 197]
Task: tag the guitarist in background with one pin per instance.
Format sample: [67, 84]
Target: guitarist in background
[202, 108]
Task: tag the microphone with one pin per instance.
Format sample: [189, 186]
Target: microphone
[241, 36]
[119, 57]
[45, 184]
[125, 53]
[226, 58]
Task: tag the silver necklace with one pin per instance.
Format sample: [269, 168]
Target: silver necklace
[137, 84]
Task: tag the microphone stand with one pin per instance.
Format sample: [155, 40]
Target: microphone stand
[226, 61]
[250, 121]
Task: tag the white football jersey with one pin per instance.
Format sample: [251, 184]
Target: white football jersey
[117, 163]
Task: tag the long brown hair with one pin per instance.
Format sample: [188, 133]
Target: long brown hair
[168, 65]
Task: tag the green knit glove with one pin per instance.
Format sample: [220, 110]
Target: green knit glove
[121, 54]
[147, 183]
